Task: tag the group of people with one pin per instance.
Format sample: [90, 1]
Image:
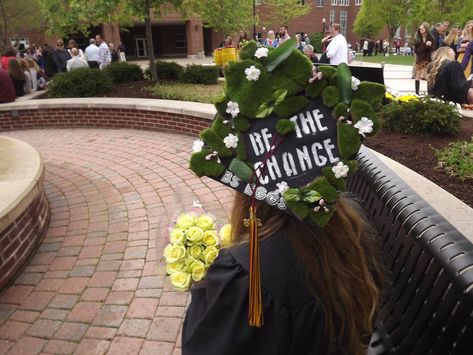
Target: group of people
[444, 57]
[23, 72]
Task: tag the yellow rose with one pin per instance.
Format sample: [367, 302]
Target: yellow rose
[174, 253]
[173, 267]
[197, 271]
[226, 235]
[180, 280]
[185, 221]
[389, 96]
[210, 253]
[177, 236]
[210, 238]
[205, 222]
[194, 234]
[195, 251]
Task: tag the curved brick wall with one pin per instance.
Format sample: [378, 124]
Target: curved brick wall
[24, 211]
[161, 115]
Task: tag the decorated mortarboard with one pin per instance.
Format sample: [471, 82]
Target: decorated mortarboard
[286, 133]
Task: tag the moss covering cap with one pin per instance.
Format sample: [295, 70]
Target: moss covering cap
[287, 132]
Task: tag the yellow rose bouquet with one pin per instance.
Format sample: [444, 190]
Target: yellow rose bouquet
[194, 245]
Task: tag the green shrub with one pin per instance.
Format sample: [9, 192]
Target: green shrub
[84, 82]
[201, 74]
[316, 41]
[122, 72]
[424, 116]
[457, 159]
[166, 71]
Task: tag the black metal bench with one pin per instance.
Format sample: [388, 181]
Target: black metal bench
[428, 308]
[365, 73]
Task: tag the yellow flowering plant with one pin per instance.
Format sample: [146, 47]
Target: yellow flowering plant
[194, 245]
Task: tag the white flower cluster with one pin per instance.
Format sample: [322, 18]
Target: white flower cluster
[340, 170]
[261, 52]
[252, 73]
[355, 82]
[233, 108]
[364, 126]
[231, 141]
[197, 146]
[282, 187]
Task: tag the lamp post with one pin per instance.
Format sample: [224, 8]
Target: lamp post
[254, 20]
[324, 22]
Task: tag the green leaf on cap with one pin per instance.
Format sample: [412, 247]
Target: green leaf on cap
[321, 218]
[278, 96]
[315, 88]
[341, 109]
[349, 141]
[240, 169]
[293, 195]
[201, 166]
[331, 96]
[344, 82]
[339, 184]
[299, 208]
[264, 110]
[311, 196]
[324, 188]
[285, 126]
[278, 55]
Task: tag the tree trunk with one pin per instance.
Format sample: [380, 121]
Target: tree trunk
[149, 40]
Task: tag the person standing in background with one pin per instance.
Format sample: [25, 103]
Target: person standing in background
[61, 56]
[104, 55]
[121, 52]
[424, 46]
[337, 50]
[271, 40]
[283, 35]
[92, 54]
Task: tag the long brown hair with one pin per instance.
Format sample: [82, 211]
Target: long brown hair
[14, 68]
[342, 267]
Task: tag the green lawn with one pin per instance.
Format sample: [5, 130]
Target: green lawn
[187, 92]
[392, 59]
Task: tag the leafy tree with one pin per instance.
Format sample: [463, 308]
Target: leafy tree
[78, 15]
[366, 25]
[283, 11]
[17, 17]
[227, 16]
[433, 11]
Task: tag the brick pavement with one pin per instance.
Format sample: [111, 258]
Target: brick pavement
[96, 285]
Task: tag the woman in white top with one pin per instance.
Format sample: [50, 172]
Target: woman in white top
[73, 44]
[34, 70]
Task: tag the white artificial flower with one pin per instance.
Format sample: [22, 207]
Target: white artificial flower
[282, 187]
[261, 52]
[252, 73]
[198, 145]
[355, 82]
[233, 108]
[340, 170]
[231, 141]
[364, 125]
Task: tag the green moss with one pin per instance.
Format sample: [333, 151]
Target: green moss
[221, 105]
[373, 93]
[297, 67]
[327, 71]
[339, 184]
[363, 109]
[334, 79]
[340, 110]
[215, 143]
[323, 187]
[300, 209]
[282, 82]
[241, 123]
[248, 50]
[291, 105]
[285, 126]
[221, 129]
[315, 88]
[249, 94]
[331, 96]
[349, 140]
[199, 165]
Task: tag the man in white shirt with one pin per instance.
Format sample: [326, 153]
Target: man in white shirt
[92, 54]
[76, 62]
[283, 35]
[105, 57]
[337, 50]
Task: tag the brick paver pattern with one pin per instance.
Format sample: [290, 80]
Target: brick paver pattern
[96, 284]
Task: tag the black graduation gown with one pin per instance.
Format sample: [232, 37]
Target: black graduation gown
[216, 322]
[450, 84]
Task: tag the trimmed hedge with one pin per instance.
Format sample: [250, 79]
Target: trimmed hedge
[84, 82]
[122, 72]
[423, 116]
[166, 71]
[201, 74]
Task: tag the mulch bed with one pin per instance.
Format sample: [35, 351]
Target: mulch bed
[417, 153]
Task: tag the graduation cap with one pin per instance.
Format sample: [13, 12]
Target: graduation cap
[286, 133]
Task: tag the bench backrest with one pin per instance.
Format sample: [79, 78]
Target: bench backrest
[428, 308]
[374, 74]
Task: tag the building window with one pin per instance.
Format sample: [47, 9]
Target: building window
[181, 42]
[334, 2]
[357, 2]
[320, 3]
[332, 17]
[343, 22]
[344, 2]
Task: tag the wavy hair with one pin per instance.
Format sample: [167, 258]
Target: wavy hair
[468, 32]
[438, 58]
[343, 268]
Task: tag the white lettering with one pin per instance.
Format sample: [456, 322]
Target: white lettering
[266, 138]
[288, 164]
[298, 129]
[329, 147]
[318, 116]
[273, 168]
[319, 160]
[262, 179]
[307, 119]
[304, 156]
[257, 144]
